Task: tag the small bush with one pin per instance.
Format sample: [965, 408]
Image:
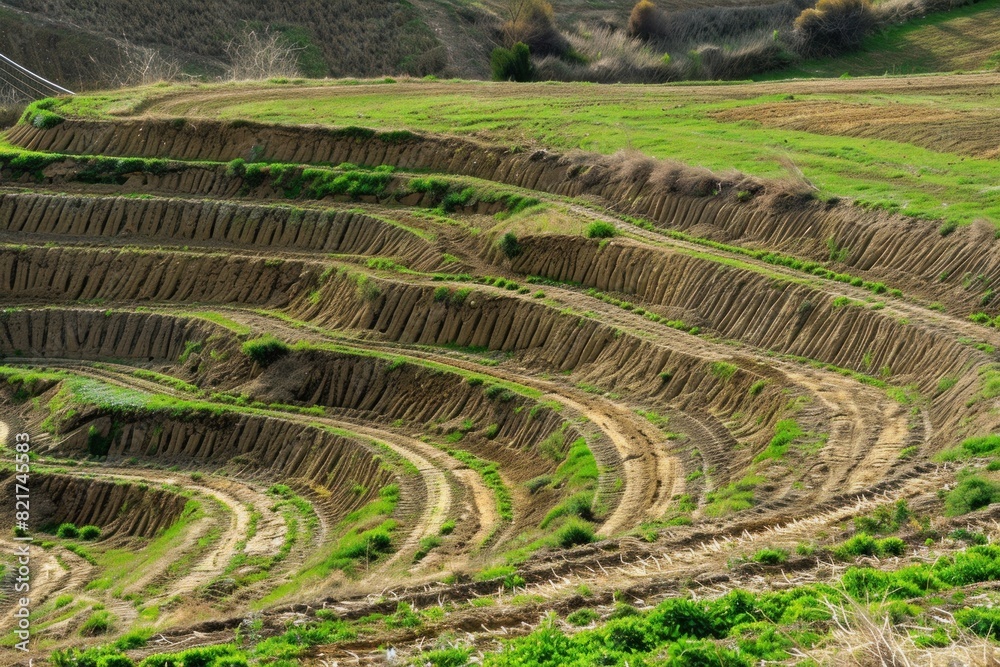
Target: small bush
[771, 556]
[445, 657]
[513, 64]
[98, 623]
[833, 26]
[509, 245]
[972, 493]
[722, 370]
[983, 621]
[67, 531]
[864, 544]
[582, 617]
[600, 230]
[575, 532]
[947, 228]
[46, 120]
[265, 350]
[645, 20]
[90, 533]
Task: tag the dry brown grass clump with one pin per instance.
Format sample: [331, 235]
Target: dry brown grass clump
[608, 56]
[645, 20]
[532, 22]
[864, 638]
[833, 26]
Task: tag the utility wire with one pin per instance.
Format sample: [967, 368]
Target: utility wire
[31, 74]
[26, 83]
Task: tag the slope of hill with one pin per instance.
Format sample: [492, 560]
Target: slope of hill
[858, 138]
[964, 39]
[352, 372]
[105, 43]
[333, 37]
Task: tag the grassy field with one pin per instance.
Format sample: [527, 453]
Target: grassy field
[897, 170]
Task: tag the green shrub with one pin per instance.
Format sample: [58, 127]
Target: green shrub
[513, 64]
[90, 533]
[237, 167]
[968, 536]
[722, 370]
[864, 544]
[265, 350]
[972, 493]
[692, 653]
[98, 623]
[426, 545]
[983, 621]
[884, 519]
[947, 228]
[207, 656]
[445, 657]
[404, 617]
[981, 446]
[677, 617]
[771, 556]
[582, 617]
[509, 245]
[600, 229]
[575, 532]
[891, 546]
[46, 120]
[67, 531]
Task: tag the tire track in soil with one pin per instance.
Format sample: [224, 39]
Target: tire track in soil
[652, 475]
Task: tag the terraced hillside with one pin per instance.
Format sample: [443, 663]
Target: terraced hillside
[320, 392]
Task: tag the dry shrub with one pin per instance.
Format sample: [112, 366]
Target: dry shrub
[645, 20]
[869, 641]
[761, 55]
[863, 638]
[532, 22]
[12, 106]
[718, 42]
[833, 26]
[685, 30]
[260, 55]
[608, 56]
[142, 65]
[636, 172]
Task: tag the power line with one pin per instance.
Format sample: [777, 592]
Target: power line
[54, 86]
[26, 83]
